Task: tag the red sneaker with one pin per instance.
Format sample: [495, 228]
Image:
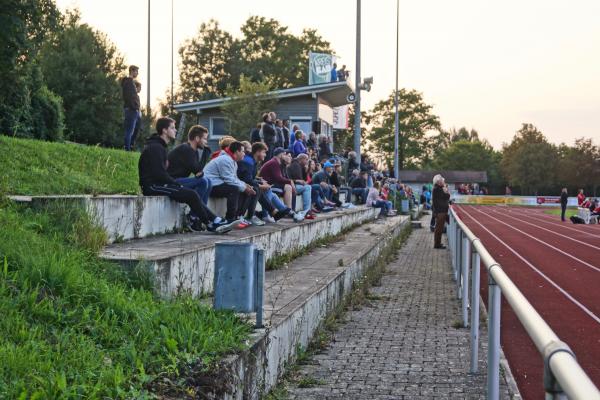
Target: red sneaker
[310, 216]
[242, 225]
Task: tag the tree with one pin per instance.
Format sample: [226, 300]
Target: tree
[26, 104]
[415, 121]
[83, 67]
[246, 106]
[206, 64]
[476, 155]
[579, 166]
[213, 61]
[529, 161]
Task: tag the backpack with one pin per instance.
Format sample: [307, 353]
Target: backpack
[577, 220]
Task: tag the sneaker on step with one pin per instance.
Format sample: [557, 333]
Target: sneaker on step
[223, 226]
[269, 219]
[282, 214]
[257, 221]
[310, 216]
[298, 217]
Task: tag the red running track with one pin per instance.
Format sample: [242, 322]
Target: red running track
[557, 267]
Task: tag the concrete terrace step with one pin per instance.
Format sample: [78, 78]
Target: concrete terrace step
[297, 300]
[126, 217]
[185, 262]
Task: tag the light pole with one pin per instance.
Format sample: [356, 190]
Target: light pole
[357, 86]
[148, 84]
[396, 124]
[172, 60]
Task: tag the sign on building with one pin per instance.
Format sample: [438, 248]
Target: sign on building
[319, 68]
[341, 117]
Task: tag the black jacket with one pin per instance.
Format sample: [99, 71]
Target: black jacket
[183, 161]
[286, 137]
[357, 183]
[564, 198]
[352, 165]
[440, 199]
[131, 99]
[268, 134]
[255, 135]
[296, 172]
[152, 167]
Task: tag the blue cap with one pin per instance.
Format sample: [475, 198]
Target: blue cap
[327, 165]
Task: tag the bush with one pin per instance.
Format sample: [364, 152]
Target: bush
[47, 115]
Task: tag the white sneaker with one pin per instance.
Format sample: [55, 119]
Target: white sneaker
[269, 219]
[298, 217]
[257, 221]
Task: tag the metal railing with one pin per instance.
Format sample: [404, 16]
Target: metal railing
[563, 376]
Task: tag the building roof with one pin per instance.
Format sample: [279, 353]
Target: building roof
[334, 93]
[450, 176]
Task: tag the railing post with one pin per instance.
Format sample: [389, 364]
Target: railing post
[459, 265]
[493, 376]
[464, 282]
[476, 261]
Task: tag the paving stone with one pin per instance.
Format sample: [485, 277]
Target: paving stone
[402, 346]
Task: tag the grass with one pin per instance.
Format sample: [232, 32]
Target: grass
[76, 326]
[35, 167]
[570, 212]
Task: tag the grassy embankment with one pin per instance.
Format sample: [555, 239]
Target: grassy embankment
[73, 325]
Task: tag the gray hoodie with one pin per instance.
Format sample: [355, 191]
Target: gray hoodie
[223, 170]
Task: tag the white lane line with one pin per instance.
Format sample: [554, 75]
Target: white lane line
[564, 292]
[547, 230]
[542, 242]
[550, 220]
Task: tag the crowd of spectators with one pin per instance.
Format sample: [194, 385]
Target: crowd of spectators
[273, 169]
[593, 204]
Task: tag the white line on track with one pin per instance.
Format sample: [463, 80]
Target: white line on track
[542, 242]
[547, 219]
[547, 230]
[564, 292]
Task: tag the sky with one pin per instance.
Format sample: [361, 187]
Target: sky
[487, 65]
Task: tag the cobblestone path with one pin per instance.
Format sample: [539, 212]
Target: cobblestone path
[402, 345]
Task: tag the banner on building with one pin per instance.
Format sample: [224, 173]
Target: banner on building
[341, 117]
[319, 68]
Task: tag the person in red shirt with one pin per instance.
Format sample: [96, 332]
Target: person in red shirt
[271, 172]
[580, 198]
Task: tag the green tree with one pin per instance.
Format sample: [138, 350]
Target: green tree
[206, 63]
[246, 105]
[26, 105]
[213, 61]
[476, 155]
[579, 166]
[529, 161]
[415, 121]
[83, 67]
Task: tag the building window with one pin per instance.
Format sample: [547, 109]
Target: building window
[219, 127]
[304, 123]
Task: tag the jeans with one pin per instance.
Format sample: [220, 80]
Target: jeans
[306, 192]
[201, 185]
[318, 196]
[133, 120]
[274, 200]
[369, 181]
[361, 194]
[385, 206]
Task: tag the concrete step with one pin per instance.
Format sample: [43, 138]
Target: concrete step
[126, 217]
[185, 262]
[297, 300]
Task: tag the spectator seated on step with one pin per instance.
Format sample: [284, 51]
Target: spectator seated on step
[155, 180]
[321, 182]
[275, 174]
[187, 160]
[358, 184]
[374, 199]
[224, 143]
[222, 172]
[337, 181]
[296, 171]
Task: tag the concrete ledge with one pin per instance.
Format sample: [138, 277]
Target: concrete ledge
[185, 262]
[126, 217]
[317, 285]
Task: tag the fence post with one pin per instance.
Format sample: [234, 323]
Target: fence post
[476, 261]
[464, 282]
[459, 265]
[493, 377]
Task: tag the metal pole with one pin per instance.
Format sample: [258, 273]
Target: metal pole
[466, 259]
[396, 123]
[260, 287]
[459, 264]
[148, 84]
[357, 87]
[476, 263]
[493, 376]
[172, 57]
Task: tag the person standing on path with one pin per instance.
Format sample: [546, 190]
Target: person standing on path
[564, 199]
[131, 104]
[441, 198]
